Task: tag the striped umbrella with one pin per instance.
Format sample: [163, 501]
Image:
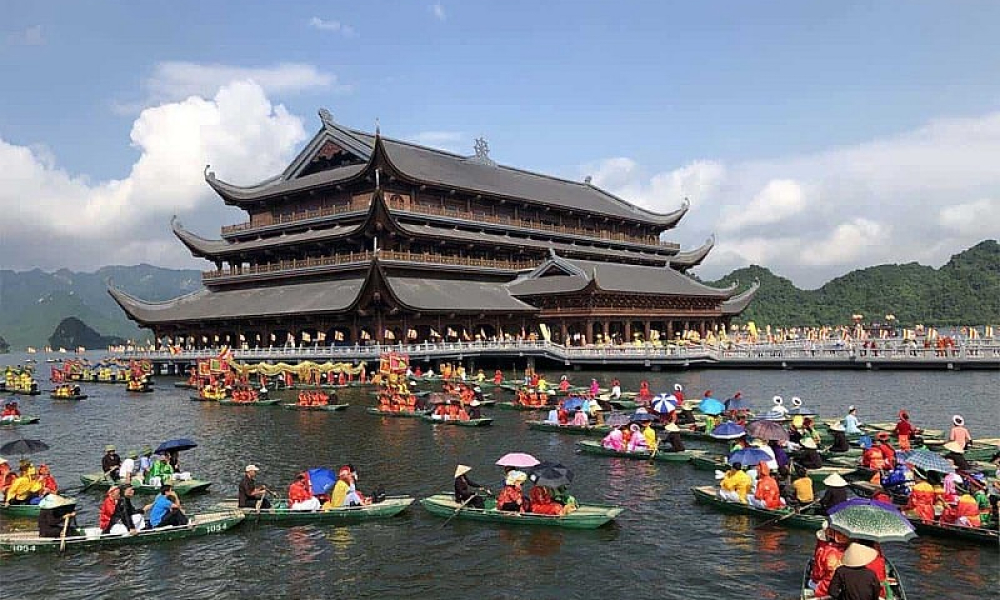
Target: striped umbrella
[863, 519]
[925, 460]
[728, 431]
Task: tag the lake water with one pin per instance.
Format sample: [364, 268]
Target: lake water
[663, 546]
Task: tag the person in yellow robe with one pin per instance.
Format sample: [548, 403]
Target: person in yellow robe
[735, 484]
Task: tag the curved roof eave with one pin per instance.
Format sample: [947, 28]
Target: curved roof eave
[692, 258]
[739, 303]
[241, 196]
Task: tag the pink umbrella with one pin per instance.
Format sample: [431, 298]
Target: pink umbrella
[517, 459]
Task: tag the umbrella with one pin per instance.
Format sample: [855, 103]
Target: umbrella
[863, 519]
[711, 406]
[728, 431]
[663, 404]
[641, 416]
[178, 445]
[617, 419]
[925, 460]
[517, 459]
[572, 404]
[23, 446]
[550, 474]
[773, 415]
[739, 404]
[767, 430]
[748, 456]
[805, 412]
[322, 480]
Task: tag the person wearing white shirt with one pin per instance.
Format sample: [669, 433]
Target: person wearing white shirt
[852, 426]
[127, 468]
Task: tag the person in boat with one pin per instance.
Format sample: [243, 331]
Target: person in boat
[852, 426]
[801, 490]
[595, 388]
[497, 377]
[780, 456]
[174, 460]
[49, 484]
[53, 512]
[767, 494]
[165, 510]
[477, 394]
[959, 434]
[616, 388]
[25, 489]
[853, 580]
[888, 453]
[965, 512]
[836, 492]
[145, 463]
[300, 497]
[905, 430]
[511, 497]
[840, 443]
[808, 429]
[637, 441]
[466, 489]
[673, 438]
[129, 466]
[480, 376]
[873, 458]
[956, 454]
[6, 477]
[779, 406]
[809, 456]
[344, 491]
[614, 440]
[552, 416]
[249, 493]
[580, 418]
[161, 472]
[650, 436]
[107, 509]
[474, 410]
[827, 556]
[735, 484]
[541, 502]
[10, 412]
[111, 462]
[922, 498]
[564, 384]
[562, 496]
[126, 518]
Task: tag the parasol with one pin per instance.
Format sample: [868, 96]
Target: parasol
[571, 404]
[925, 460]
[663, 404]
[175, 445]
[749, 456]
[767, 430]
[641, 416]
[520, 460]
[728, 431]
[550, 474]
[864, 519]
[23, 446]
[616, 419]
[322, 480]
[711, 406]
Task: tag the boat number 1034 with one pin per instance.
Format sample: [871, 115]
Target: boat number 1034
[23, 548]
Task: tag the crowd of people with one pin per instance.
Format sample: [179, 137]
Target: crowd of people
[30, 485]
[11, 412]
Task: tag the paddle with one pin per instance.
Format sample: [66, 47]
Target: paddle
[460, 507]
[62, 536]
[103, 477]
[263, 494]
[797, 511]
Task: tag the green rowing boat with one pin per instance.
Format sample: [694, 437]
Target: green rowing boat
[231, 402]
[27, 511]
[182, 487]
[598, 430]
[716, 462]
[516, 406]
[706, 494]
[587, 516]
[406, 414]
[28, 542]
[72, 398]
[390, 507]
[327, 407]
[22, 420]
[483, 422]
[979, 535]
[595, 447]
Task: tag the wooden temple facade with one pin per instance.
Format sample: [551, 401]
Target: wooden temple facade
[367, 239]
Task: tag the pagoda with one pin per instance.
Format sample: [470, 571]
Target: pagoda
[366, 239]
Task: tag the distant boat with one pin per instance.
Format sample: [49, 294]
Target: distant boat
[62, 350]
[47, 349]
[31, 350]
[80, 349]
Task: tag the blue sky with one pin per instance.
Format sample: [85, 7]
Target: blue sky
[731, 103]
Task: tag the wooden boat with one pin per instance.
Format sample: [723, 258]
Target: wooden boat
[895, 591]
[22, 420]
[26, 511]
[979, 535]
[516, 406]
[28, 542]
[482, 422]
[97, 481]
[599, 430]
[142, 390]
[706, 494]
[326, 407]
[979, 450]
[716, 462]
[185, 385]
[231, 402]
[76, 397]
[587, 516]
[595, 447]
[407, 414]
[198, 398]
[24, 392]
[420, 394]
[390, 507]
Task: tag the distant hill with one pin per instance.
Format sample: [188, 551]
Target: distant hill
[72, 333]
[4, 346]
[964, 291]
[33, 303]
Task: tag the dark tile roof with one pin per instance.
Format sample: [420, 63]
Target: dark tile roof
[739, 303]
[691, 258]
[205, 305]
[200, 246]
[455, 294]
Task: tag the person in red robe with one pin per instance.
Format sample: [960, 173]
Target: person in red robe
[108, 508]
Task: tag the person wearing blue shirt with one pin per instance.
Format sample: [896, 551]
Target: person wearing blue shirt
[852, 426]
[166, 510]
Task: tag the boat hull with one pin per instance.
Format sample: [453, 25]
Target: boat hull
[231, 402]
[390, 507]
[97, 481]
[25, 511]
[483, 422]
[595, 448]
[707, 495]
[403, 414]
[588, 516]
[72, 398]
[327, 408]
[24, 420]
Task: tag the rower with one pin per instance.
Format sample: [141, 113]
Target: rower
[53, 511]
[956, 454]
[674, 437]
[111, 462]
[251, 495]
[465, 488]
[836, 492]
[840, 443]
[809, 456]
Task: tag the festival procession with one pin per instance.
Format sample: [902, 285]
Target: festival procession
[862, 487]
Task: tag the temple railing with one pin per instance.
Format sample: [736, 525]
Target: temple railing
[464, 261]
[302, 215]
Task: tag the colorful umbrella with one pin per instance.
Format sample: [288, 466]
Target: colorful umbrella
[767, 430]
[663, 405]
[728, 431]
[572, 404]
[711, 406]
[322, 480]
[925, 460]
[773, 415]
[748, 456]
[550, 474]
[617, 419]
[520, 460]
[863, 519]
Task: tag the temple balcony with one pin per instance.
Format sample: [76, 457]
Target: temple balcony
[302, 217]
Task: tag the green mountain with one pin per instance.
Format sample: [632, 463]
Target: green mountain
[72, 333]
[965, 291]
[33, 303]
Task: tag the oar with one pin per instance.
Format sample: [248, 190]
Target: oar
[461, 506]
[257, 508]
[62, 536]
[797, 511]
[96, 481]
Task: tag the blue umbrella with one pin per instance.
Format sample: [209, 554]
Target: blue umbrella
[178, 445]
[639, 416]
[925, 460]
[739, 404]
[711, 406]
[572, 404]
[748, 456]
[663, 404]
[616, 419]
[322, 480]
[728, 431]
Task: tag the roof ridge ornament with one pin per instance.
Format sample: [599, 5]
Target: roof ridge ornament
[482, 148]
[325, 117]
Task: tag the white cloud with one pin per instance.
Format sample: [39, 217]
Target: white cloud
[32, 36]
[332, 26]
[88, 224]
[437, 9]
[920, 195]
[450, 141]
